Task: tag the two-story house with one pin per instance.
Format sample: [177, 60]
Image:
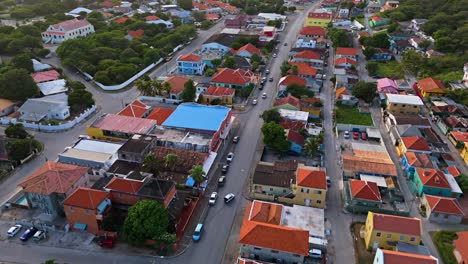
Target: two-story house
[384, 231]
[364, 193]
[318, 19]
[413, 144]
[430, 87]
[313, 32]
[288, 80]
[350, 53]
[66, 30]
[310, 57]
[442, 210]
[48, 186]
[434, 182]
[304, 70]
[403, 104]
[191, 64]
[344, 63]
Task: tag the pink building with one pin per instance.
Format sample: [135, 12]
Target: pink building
[386, 85]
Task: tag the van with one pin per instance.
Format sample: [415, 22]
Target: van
[315, 253]
[39, 235]
[197, 233]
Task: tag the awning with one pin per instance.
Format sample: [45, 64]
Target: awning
[79, 226]
[379, 180]
[190, 182]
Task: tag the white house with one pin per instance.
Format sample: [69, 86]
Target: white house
[383, 256]
[38, 109]
[157, 20]
[66, 30]
[306, 43]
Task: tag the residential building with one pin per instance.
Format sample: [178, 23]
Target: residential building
[310, 187]
[342, 94]
[378, 22]
[464, 153]
[53, 87]
[220, 43]
[318, 19]
[430, 87]
[363, 158]
[452, 123]
[313, 32]
[86, 208]
[313, 107]
[383, 231]
[412, 160]
[38, 109]
[290, 103]
[345, 63]
[458, 139]
[296, 140]
[235, 79]
[221, 94]
[117, 127]
[413, 144]
[136, 148]
[133, 34]
[442, 210]
[156, 20]
[135, 109]
[160, 114]
[48, 186]
[434, 182]
[66, 30]
[386, 85]
[45, 76]
[191, 64]
[247, 51]
[350, 53]
[293, 119]
[6, 107]
[177, 85]
[268, 34]
[304, 70]
[404, 104]
[310, 57]
[383, 256]
[288, 80]
[364, 193]
[346, 77]
[460, 245]
[382, 55]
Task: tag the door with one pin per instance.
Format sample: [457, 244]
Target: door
[307, 202]
[376, 245]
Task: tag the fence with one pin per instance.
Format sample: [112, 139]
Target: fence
[37, 224]
[349, 127]
[50, 128]
[159, 99]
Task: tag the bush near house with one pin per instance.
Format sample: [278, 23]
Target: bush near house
[350, 115]
[443, 241]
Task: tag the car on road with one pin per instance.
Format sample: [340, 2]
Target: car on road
[328, 181]
[285, 44]
[230, 157]
[363, 135]
[14, 230]
[235, 139]
[315, 253]
[39, 235]
[213, 198]
[221, 180]
[346, 134]
[229, 197]
[274, 55]
[264, 95]
[225, 168]
[267, 71]
[197, 233]
[28, 233]
[106, 242]
[324, 77]
[355, 135]
[271, 79]
[325, 63]
[254, 101]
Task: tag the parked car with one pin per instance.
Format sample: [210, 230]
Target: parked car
[229, 197]
[197, 233]
[213, 198]
[106, 242]
[235, 139]
[14, 230]
[267, 71]
[254, 101]
[285, 44]
[271, 79]
[328, 181]
[28, 233]
[264, 95]
[355, 135]
[324, 77]
[315, 253]
[221, 180]
[230, 157]
[264, 79]
[274, 55]
[363, 135]
[39, 235]
[346, 134]
[225, 168]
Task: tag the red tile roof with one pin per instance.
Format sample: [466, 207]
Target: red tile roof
[365, 190]
[71, 24]
[415, 143]
[444, 205]
[230, 76]
[134, 109]
[249, 48]
[429, 84]
[200, 6]
[454, 171]
[121, 20]
[311, 178]
[219, 91]
[346, 51]
[459, 136]
[292, 79]
[295, 137]
[261, 228]
[307, 54]
[177, 83]
[45, 76]
[189, 57]
[86, 198]
[107, 4]
[303, 68]
[420, 160]
[248, 261]
[152, 18]
[291, 100]
[312, 30]
[53, 177]
[434, 178]
[160, 114]
[124, 185]
[135, 33]
[212, 16]
[319, 15]
[345, 60]
[461, 246]
[396, 224]
[396, 257]
[124, 124]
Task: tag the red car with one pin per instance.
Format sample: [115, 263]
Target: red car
[355, 135]
[363, 135]
[106, 242]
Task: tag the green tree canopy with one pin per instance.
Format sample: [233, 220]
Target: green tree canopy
[171, 160]
[151, 164]
[271, 115]
[189, 92]
[16, 131]
[17, 84]
[365, 91]
[339, 38]
[298, 91]
[229, 62]
[21, 148]
[275, 137]
[197, 173]
[23, 61]
[185, 4]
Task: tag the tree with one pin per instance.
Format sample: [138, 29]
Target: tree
[17, 84]
[144, 87]
[151, 56]
[294, 69]
[425, 44]
[50, 261]
[412, 61]
[198, 15]
[312, 144]
[16, 131]
[365, 91]
[274, 137]
[229, 62]
[462, 181]
[146, 220]
[23, 61]
[369, 52]
[339, 38]
[171, 160]
[185, 4]
[298, 91]
[216, 62]
[372, 67]
[271, 115]
[151, 164]
[80, 100]
[189, 92]
[285, 67]
[197, 173]
[20, 148]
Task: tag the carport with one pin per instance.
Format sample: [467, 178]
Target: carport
[373, 134]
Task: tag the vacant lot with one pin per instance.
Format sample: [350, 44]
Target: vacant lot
[362, 255]
[443, 241]
[390, 68]
[350, 115]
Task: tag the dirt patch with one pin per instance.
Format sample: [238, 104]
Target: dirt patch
[362, 255]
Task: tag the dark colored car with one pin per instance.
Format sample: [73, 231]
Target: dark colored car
[106, 242]
[355, 135]
[363, 135]
[235, 139]
[28, 233]
[225, 168]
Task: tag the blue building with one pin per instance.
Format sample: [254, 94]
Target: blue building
[434, 182]
[296, 140]
[382, 55]
[412, 160]
[220, 43]
[190, 64]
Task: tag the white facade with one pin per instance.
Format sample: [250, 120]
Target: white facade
[305, 43]
[66, 30]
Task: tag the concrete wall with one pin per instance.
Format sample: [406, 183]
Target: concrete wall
[159, 99]
[266, 254]
[349, 127]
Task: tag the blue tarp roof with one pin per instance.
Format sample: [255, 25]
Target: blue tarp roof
[190, 182]
[103, 205]
[80, 226]
[196, 116]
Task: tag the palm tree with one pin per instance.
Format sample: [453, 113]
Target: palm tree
[50, 261]
[151, 164]
[166, 88]
[311, 146]
[144, 87]
[156, 87]
[197, 173]
[171, 160]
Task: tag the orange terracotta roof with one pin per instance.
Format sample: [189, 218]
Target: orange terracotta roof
[454, 171]
[247, 261]
[397, 257]
[341, 91]
[459, 136]
[434, 178]
[177, 83]
[269, 234]
[219, 91]
[365, 190]
[415, 143]
[230, 76]
[292, 79]
[211, 16]
[266, 212]
[189, 57]
[291, 100]
[135, 33]
[121, 20]
[307, 54]
[200, 6]
[249, 48]
[303, 69]
[124, 185]
[345, 60]
[107, 4]
[53, 177]
[396, 224]
[311, 178]
[429, 84]
[444, 205]
[319, 15]
[420, 160]
[461, 245]
[369, 161]
[160, 114]
[346, 51]
[5, 103]
[151, 18]
[86, 198]
[134, 109]
[312, 30]
[45, 76]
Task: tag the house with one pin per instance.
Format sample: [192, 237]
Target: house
[443, 109]
[350, 53]
[400, 46]
[304, 70]
[288, 80]
[48, 186]
[6, 107]
[191, 64]
[434, 182]
[364, 193]
[403, 85]
[413, 144]
[133, 34]
[230, 78]
[289, 102]
[460, 245]
[430, 87]
[452, 123]
[342, 94]
[38, 109]
[296, 140]
[313, 107]
[389, 5]
[464, 153]
[184, 15]
[66, 30]
[362, 158]
[121, 20]
[118, 127]
[199, 6]
[346, 77]
[412, 160]
[218, 43]
[403, 104]
[53, 87]
[399, 119]
[458, 139]
[405, 130]
[268, 34]
[310, 57]
[86, 209]
[442, 210]
[313, 32]
[374, 6]
[45, 76]
[156, 20]
[136, 148]
[433, 53]
[76, 12]
[318, 19]
[135, 109]
[415, 42]
[383, 231]
[376, 21]
[293, 119]
[344, 63]
[242, 63]
[383, 256]
[221, 94]
[177, 85]
[453, 170]
[238, 21]
[39, 66]
[386, 85]
[247, 51]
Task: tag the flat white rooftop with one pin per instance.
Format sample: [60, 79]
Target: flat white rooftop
[294, 115]
[98, 146]
[305, 218]
[404, 99]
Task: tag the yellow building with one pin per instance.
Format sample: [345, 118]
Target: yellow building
[403, 104]
[464, 153]
[318, 19]
[118, 127]
[430, 87]
[413, 144]
[384, 231]
[310, 188]
[222, 94]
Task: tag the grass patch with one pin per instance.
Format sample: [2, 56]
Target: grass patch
[443, 241]
[360, 19]
[362, 255]
[350, 115]
[390, 68]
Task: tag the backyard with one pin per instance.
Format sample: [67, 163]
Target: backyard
[346, 114]
[362, 255]
[443, 241]
[390, 68]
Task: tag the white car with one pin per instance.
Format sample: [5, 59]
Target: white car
[264, 95]
[274, 55]
[14, 230]
[230, 157]
[315, 253]
[213, 198]
[254, 101]
[229, 197]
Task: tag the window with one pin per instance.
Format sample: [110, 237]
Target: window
[72, 209]
[402, 238]
[257, 248]
[274, 251]
[271, 189]
[120, 195]
[304, 190]
[412, 239]
[319, 201]
[389, 235]
[378, 234]
[318, 192]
